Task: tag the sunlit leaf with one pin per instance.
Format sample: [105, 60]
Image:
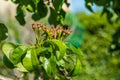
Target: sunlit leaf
[30, 8]
[77, 68]
[34, 59]
[76, 50]
[41, 50]
[20, 67]
[17, 54]
[59, 46]
[70, 63]
[61, 63]
[8, 47]
[27, 62]
[49, 64]
[15, 1]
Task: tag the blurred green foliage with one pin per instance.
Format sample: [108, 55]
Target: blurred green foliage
[99, 62]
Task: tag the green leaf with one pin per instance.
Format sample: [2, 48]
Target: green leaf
[36, 1]
[27, 62]
[7, 62]
[100, 2]
[15, 1]
[36, 16]
[109, 16]
[3, 32]
[77, 68]
[61, 17]
[60, 47]
[46, 65]
[20, 67]
[61, 63]
[7, 48]
[34, 59]
[105, 10]
[70, 62]
[25, 2]
[30, 8]
[56, 17]
[49, 64]
[20, 14]
[17, 53]
[53, 17]
[42, 9]
[76, 50]
[58, 4]
[41, 50]
[88, 5]
[116, 7]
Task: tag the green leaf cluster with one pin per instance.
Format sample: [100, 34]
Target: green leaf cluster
[53, 59]
[40, 9]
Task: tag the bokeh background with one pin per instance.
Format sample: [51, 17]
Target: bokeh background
[100, 45]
